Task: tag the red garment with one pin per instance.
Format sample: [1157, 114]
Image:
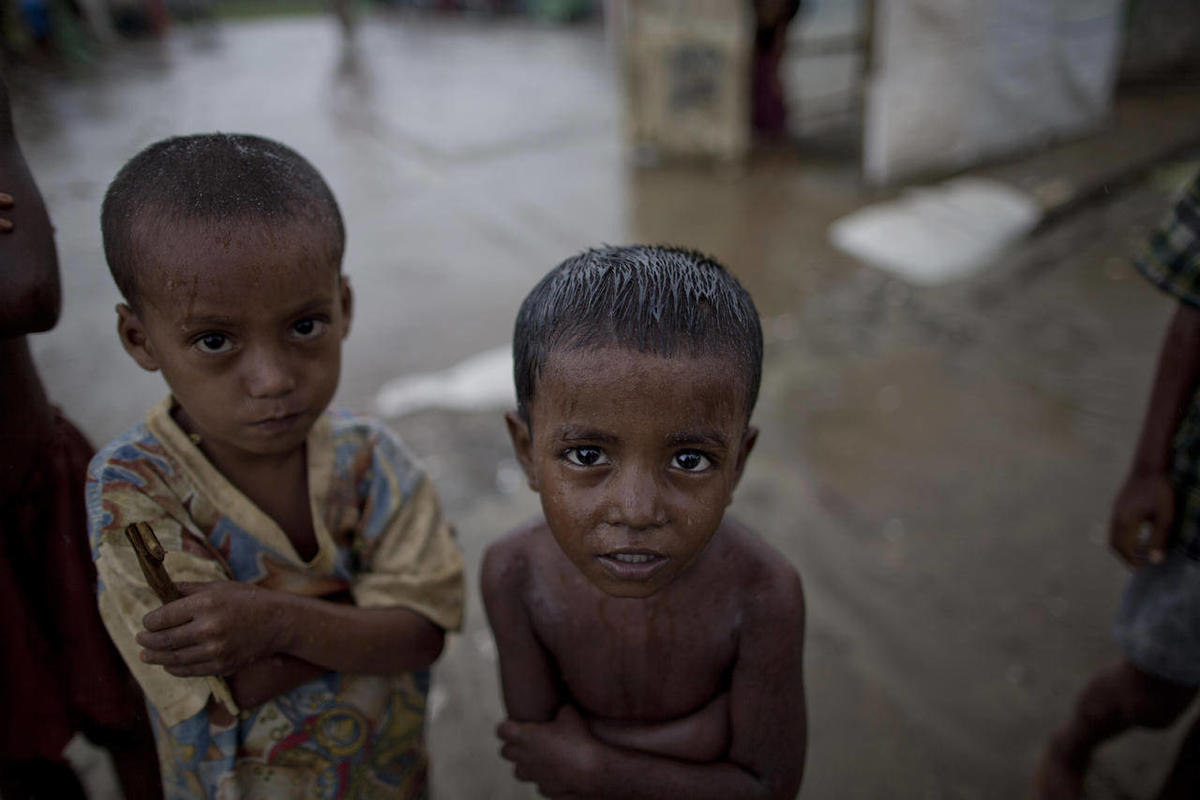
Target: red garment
[59, 672]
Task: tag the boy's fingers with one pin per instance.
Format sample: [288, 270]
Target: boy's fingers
[184, 657]
[1162, 529]
[508, 730]
[177, 612]
[1123, 539]
[5, 225]
[200, 670]
[1156, 543]
[166, 640]
[6, 200]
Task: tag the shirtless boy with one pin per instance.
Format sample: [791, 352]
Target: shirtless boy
[649, 646]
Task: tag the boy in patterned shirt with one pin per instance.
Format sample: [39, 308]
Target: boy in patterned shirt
[1155, 528]
[318, 576]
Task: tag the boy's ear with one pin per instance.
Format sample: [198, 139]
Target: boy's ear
[749, 439]
[134, 339]
[347, 300]
[522, 441]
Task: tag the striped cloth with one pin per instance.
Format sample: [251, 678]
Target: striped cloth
[1171, 261]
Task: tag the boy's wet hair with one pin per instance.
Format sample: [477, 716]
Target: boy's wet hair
[661, 300]
[211, 179]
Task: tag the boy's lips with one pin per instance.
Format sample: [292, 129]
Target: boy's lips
[280, 422]
[632, 565]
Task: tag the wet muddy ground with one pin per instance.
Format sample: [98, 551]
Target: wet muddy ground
[938, 463]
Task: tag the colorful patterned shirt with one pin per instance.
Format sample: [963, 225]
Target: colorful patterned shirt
[380, 537]
[1171, 262]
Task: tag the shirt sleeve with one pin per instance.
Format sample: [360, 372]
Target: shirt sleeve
[409, 557]
[1171, 259]
[116, 497]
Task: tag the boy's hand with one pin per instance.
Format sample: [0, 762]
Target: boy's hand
[1141, 519]
[6, 201]
[215, 629]
[559, 756]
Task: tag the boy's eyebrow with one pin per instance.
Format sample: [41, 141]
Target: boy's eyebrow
[711, 438]
[578, 433]
[703, 436]
[220, 320]
[207, 319]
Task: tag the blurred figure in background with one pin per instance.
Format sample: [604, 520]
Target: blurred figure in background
[768, 102]
[1155, 528]
[59, 674]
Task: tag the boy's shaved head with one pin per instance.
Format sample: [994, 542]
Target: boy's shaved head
[660, 300]
[216, 181]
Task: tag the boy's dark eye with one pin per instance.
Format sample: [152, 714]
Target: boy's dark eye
[586, 456]
[213, 342]
[691, 461]
[309, 328]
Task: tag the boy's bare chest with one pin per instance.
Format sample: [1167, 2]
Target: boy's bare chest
[638, 660]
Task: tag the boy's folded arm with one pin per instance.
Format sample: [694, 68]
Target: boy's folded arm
[701, 736]
[769, 729]
[267, 678]
[349, 638]
[528, 679]
[222, 627]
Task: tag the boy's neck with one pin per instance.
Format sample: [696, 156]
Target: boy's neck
[26, 416]
[277, 484]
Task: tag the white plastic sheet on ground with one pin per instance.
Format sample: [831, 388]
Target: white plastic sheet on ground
[932, 235]
[959, 81]
[479, 383]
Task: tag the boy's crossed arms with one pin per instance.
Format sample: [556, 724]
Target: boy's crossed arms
[251, 611]
[268, 642]
[712, 712]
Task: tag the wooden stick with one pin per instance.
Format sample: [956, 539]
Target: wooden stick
[150, 555]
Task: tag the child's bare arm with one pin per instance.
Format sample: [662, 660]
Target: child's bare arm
[225, 627]
[269, 677]
[769, 731]
[701, 737]
[527, 677]
[1147, 494]
[30, 291]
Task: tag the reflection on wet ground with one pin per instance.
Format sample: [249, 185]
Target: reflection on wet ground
[938, 462]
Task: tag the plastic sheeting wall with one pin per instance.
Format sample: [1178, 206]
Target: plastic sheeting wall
[956, 82]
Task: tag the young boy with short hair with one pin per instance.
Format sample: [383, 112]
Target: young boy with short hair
[318, 576]
[649, 646]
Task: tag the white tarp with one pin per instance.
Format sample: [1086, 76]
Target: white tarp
[936, 234]
[479, 383]
[959, 81]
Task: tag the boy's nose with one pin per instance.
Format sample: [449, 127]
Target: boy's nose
[268, 373]
[637, 500]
